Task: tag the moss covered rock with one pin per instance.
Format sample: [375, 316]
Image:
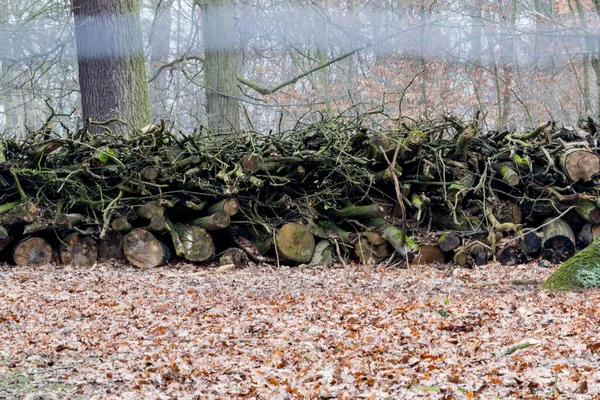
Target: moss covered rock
[582, 271]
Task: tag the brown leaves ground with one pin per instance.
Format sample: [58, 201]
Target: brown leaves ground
[359, 332]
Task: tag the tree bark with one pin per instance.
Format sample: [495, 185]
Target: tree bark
[220, 77]
[112, 72]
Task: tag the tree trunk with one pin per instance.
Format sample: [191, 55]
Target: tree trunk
[220, 75]
[112, 73]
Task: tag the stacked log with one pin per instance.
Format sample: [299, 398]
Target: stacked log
[326, 190]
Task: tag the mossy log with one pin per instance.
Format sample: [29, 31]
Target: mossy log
[375, 210]
[295, 243]
[323, 255]
[578, 163]
[508, 175]
[393, 236]
[4, 237]
[17, 213]
[588, 211]
[448, 242]
[192, 242]
[32, 251]
[149, 174]
[582, 271]
[79, 250]
[558, 243]
[144, 250]
[217, 221]
[336, 231]
[110, 246]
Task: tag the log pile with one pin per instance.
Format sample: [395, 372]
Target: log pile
[324, 191]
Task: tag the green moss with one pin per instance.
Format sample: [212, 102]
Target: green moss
[582, 271]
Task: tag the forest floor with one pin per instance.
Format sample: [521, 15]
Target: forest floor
[349, 333]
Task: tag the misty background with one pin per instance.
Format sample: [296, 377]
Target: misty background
[520, 62]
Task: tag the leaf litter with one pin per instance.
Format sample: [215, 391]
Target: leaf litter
[265, 333]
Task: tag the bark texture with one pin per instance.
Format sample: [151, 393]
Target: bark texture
[220, 67]
[112, 73]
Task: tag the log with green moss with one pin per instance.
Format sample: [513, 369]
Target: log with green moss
[582, 271]
[214, 222]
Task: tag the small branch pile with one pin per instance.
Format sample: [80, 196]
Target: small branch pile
[322, 191]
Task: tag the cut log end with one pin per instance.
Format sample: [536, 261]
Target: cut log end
[79, 250]
[295, 243]
[143, 250]
[32, 251]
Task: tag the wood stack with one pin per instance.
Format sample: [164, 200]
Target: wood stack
[326, 190]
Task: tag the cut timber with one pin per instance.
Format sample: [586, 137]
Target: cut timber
[68, 221]
[150, 210]
[479, 254]
[587, 235]
[231, 206]
[393, 236]
[158, 224]
[374, 210]
[76, 249]
[508, 174]
[448, 242]
[578, 163]
[32, 251]
[507, 256]
[4, 238]
[323, 256]
[192, 242]
[374, 238]
[531, 244]
[331, 228]
[365, 252]
[582, 271]
[109, 247]
[234, 256]
[17, 213]
[143, 250]
[588, 211]
[252, 164]
[217, 221]
[120, 224]
[149, 174]
[558, 243]
[295, 242]
[429, 255]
